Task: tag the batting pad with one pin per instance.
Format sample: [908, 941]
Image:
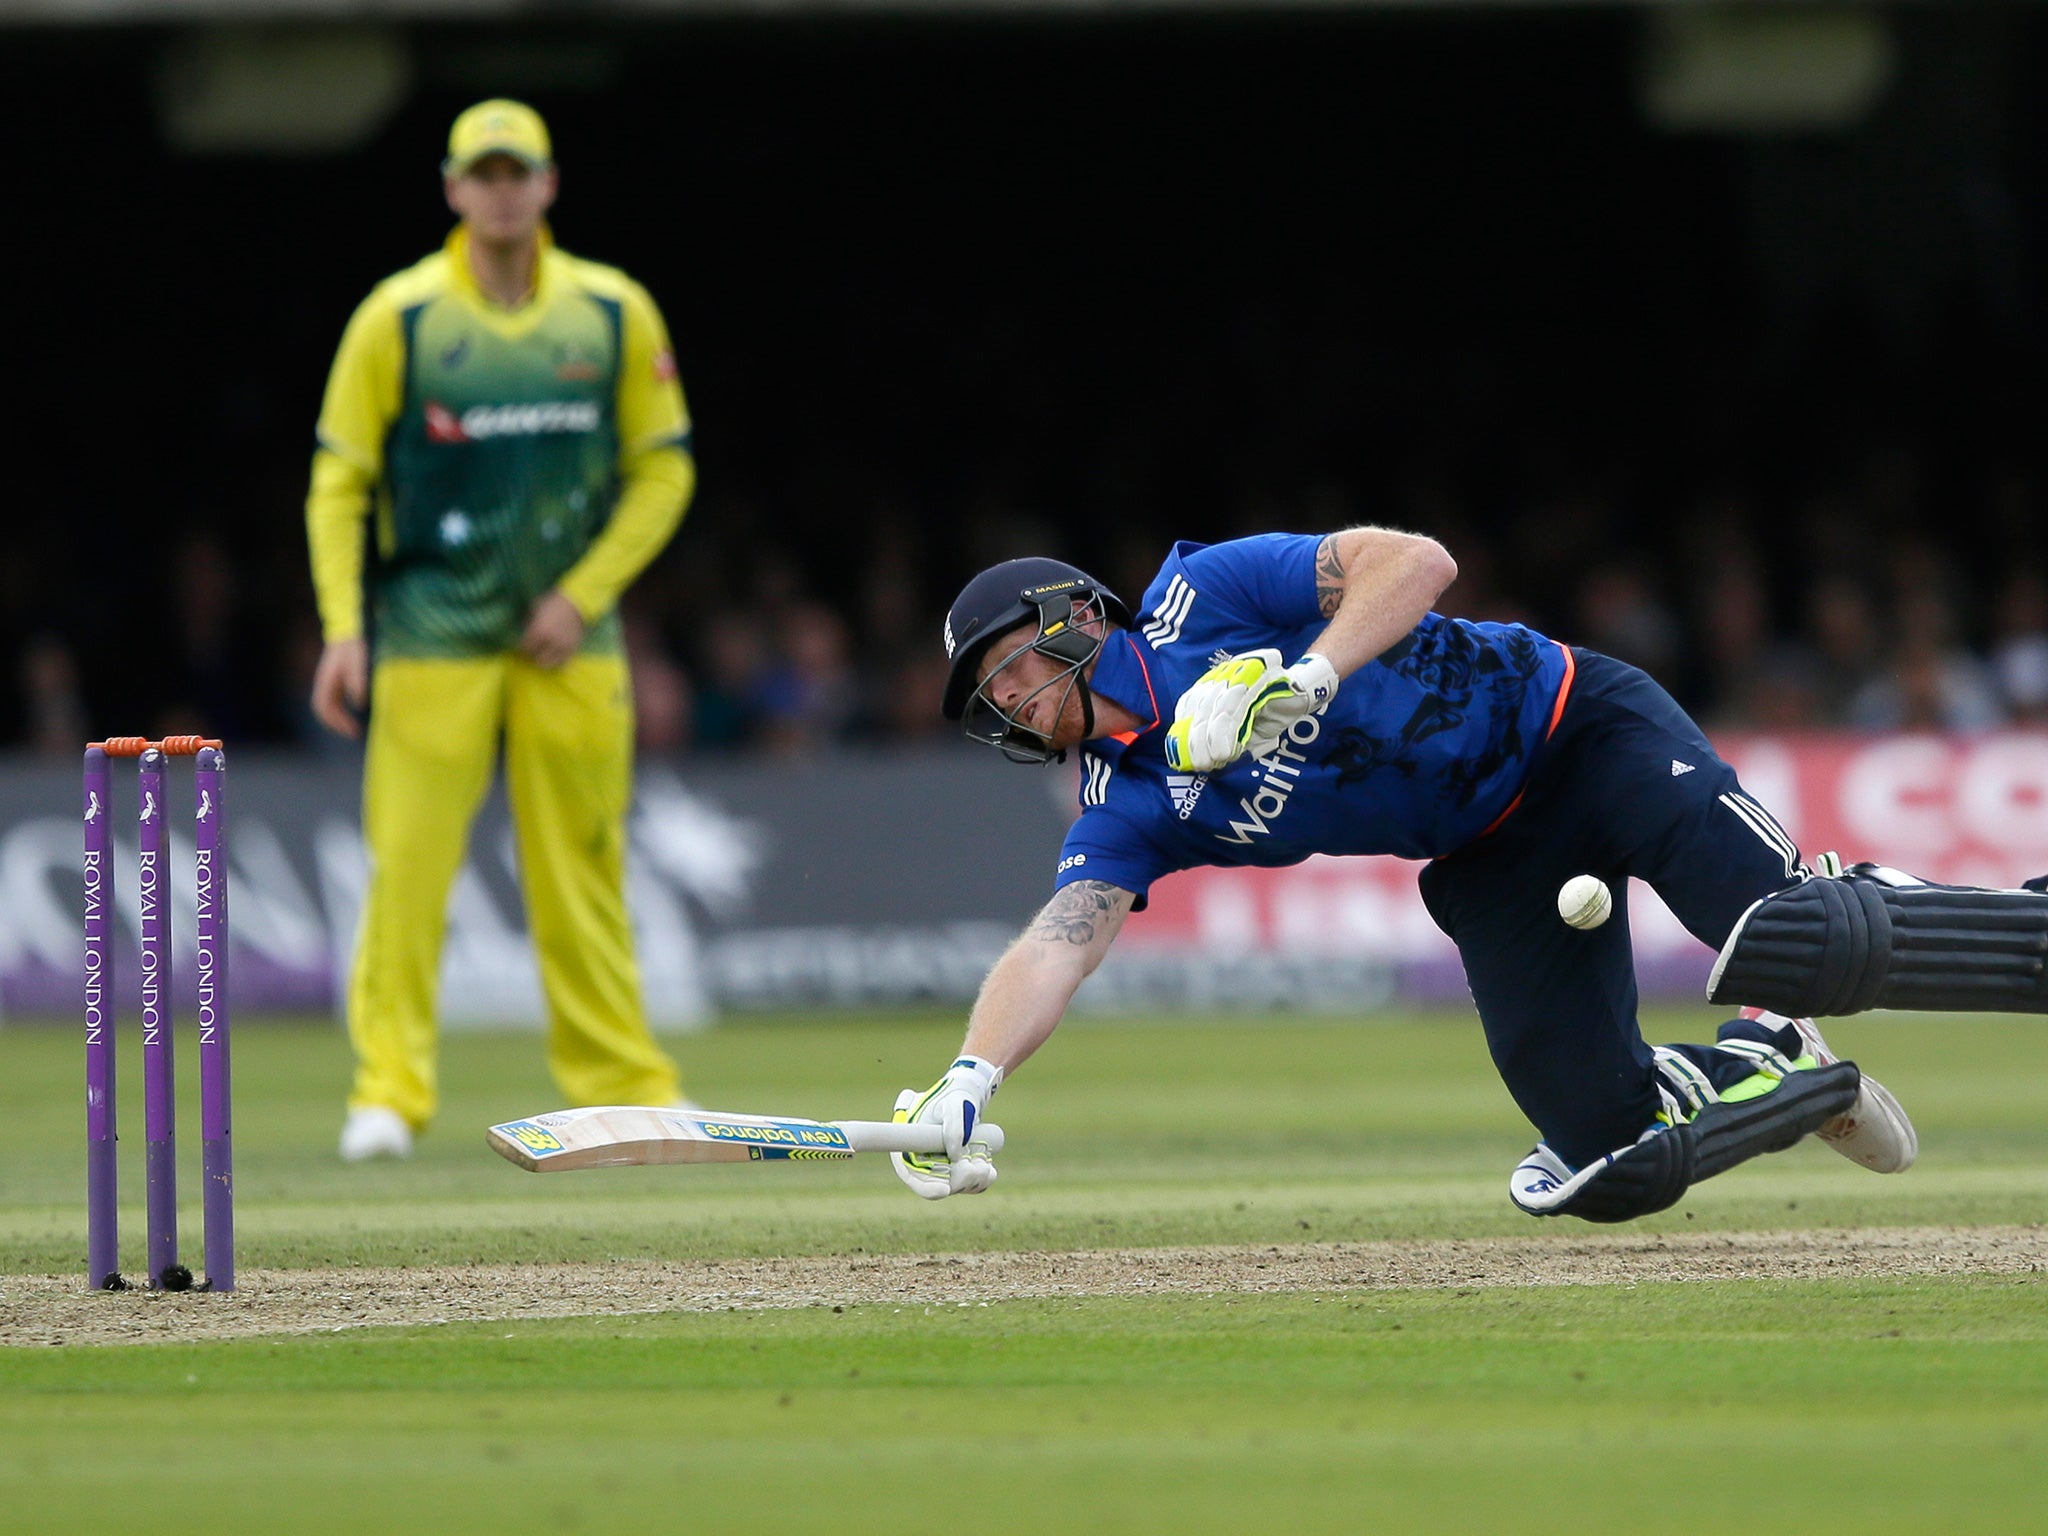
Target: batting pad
[1878, 939]
[1654, 1173]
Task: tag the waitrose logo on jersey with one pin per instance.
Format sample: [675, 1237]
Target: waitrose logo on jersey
[480, 423]
[1280, 768]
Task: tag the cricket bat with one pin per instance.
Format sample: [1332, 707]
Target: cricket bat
[620, 1136]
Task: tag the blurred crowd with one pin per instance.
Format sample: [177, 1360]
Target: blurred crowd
[1836, 613]
[1757, 411]
[1822, 616]
[1865, 604]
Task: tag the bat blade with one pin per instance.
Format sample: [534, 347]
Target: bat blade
[619, 1136]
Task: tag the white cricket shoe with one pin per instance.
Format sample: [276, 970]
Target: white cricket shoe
[374, 1131]
[1874, 1131]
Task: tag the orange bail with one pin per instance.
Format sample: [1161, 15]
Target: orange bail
[170, 746]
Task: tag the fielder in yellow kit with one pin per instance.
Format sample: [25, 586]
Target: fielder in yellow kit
[509, 417]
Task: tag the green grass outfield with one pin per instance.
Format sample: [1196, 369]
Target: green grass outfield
[1884, 1404]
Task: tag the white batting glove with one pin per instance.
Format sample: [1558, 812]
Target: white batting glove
[1245, 704]
[957, 1103]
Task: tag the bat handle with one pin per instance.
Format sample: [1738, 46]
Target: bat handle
[893, 1136]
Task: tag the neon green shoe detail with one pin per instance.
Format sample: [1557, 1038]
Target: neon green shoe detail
[1754, 1086]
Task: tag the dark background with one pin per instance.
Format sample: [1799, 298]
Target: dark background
[949, 291]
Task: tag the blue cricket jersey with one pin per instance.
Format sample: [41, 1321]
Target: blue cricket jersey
[1421, 750]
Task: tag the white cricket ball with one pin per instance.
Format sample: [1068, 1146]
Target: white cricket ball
[1585, 902]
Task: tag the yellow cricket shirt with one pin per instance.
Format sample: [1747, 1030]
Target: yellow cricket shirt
[504, 451]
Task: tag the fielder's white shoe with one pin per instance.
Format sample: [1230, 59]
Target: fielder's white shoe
[1874, 1131]
[375, 1131]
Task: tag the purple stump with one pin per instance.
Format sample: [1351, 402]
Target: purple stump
[159, 1108]
[102, 1195]
[210, 883]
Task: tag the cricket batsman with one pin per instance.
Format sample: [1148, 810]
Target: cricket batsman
[1283, 696]
[506, 419]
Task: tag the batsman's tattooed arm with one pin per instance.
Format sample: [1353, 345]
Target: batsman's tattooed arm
[1329, 576]
[1374, 585]
[1079, 912]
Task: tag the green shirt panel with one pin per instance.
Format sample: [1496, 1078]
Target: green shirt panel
[499, 472]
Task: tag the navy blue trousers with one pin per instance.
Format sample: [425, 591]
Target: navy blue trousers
[1626, 785]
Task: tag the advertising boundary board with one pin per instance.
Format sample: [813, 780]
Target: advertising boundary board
[891, 881]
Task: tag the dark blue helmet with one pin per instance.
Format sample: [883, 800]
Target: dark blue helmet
[1055, 599]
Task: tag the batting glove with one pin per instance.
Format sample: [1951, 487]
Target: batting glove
[956, 1103]
[1245, 704]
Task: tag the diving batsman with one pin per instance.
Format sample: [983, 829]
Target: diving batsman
[1282, 696]
[506, 420]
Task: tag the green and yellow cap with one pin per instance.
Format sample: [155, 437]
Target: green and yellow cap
[498, 127]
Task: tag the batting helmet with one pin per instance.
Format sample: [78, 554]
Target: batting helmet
[1041, 592]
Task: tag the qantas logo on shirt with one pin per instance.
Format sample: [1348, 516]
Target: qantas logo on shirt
[482, 422]
[1281, 770]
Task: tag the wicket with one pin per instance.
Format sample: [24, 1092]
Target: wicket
[153, 885]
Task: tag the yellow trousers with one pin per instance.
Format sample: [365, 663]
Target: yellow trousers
[435, 726]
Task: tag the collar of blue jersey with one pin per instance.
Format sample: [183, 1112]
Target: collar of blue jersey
[457, 247]
[1123, 675]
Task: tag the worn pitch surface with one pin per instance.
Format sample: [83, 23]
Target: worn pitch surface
[55, 1311]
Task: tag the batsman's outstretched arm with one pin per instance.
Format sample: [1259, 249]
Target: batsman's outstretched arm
[1026, 992]
[1021, 1003]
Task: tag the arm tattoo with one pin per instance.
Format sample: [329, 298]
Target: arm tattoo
[1077, 913]
[1329, 577]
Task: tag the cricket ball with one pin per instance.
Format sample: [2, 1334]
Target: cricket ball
[1585, 902]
